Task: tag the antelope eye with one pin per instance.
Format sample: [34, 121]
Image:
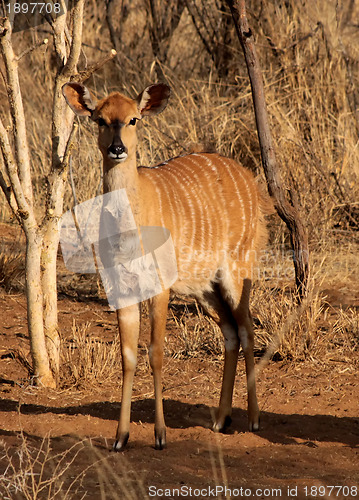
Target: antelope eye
[133, 121]
[101, 122]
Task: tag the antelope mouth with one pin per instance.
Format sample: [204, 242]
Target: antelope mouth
[118, 158]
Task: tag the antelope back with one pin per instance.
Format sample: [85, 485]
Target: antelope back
[214, 210]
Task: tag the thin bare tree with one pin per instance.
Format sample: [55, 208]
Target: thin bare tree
[41, 232]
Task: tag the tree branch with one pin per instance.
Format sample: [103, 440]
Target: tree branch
[20, 204]
[75, 50]
[84, 75]
[286, 211]
[22, 154]
[204, 41]
[59, 28]
[7, 192]
[31, 49]
[111, 28]
[69, 145]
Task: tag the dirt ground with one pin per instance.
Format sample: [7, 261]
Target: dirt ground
[308, 441]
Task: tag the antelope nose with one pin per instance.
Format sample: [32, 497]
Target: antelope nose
[116, 150]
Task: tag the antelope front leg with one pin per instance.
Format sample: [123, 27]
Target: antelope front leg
[158, 315]
[128, 324]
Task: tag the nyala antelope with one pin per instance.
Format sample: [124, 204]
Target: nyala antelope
[215, 213]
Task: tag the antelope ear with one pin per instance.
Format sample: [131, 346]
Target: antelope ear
[153, 99]
[79, 98]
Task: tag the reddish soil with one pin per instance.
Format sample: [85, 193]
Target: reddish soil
[308, 442]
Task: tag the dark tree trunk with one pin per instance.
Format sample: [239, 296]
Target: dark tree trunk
[287, 210]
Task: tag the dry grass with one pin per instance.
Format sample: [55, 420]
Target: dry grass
[12, 268]
[321, 329]
[310, 60]
[34, 472]
[88, 360]
[196, 335]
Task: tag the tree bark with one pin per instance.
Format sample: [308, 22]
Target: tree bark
[35, 312]
[18, 170]
[42, 236]
[286, 210]
[22, 154]
[62, 121]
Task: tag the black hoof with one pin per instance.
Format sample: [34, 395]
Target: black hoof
[254, 426]
[120, 444]
[222, 428]
[160, 441]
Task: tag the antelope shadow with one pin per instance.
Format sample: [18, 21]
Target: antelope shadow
[275, 427]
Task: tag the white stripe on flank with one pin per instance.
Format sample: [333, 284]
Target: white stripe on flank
[193, 203]
[229, 170]
[216, 239]
[166, 187]
[223, 226]
[159, 197]
[246, 218]
[171, 173]
[206, 232]
[192, 198]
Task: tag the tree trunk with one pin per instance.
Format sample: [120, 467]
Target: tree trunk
[62, 122]
[42, 236]
[287, 211]
[34, 295]
[49, 287]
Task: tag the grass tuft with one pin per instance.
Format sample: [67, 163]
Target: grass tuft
[89, 360]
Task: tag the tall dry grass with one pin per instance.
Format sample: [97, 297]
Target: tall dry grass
[34, 472]
[44, 470]
[88, 360]
[309, 53]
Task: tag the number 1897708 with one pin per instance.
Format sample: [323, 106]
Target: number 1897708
[33, 8]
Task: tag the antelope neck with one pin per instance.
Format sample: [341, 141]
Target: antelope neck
[123, 176]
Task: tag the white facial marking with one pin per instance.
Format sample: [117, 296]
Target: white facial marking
[122, 157]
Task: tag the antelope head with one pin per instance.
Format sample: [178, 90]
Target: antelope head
[116, 116]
